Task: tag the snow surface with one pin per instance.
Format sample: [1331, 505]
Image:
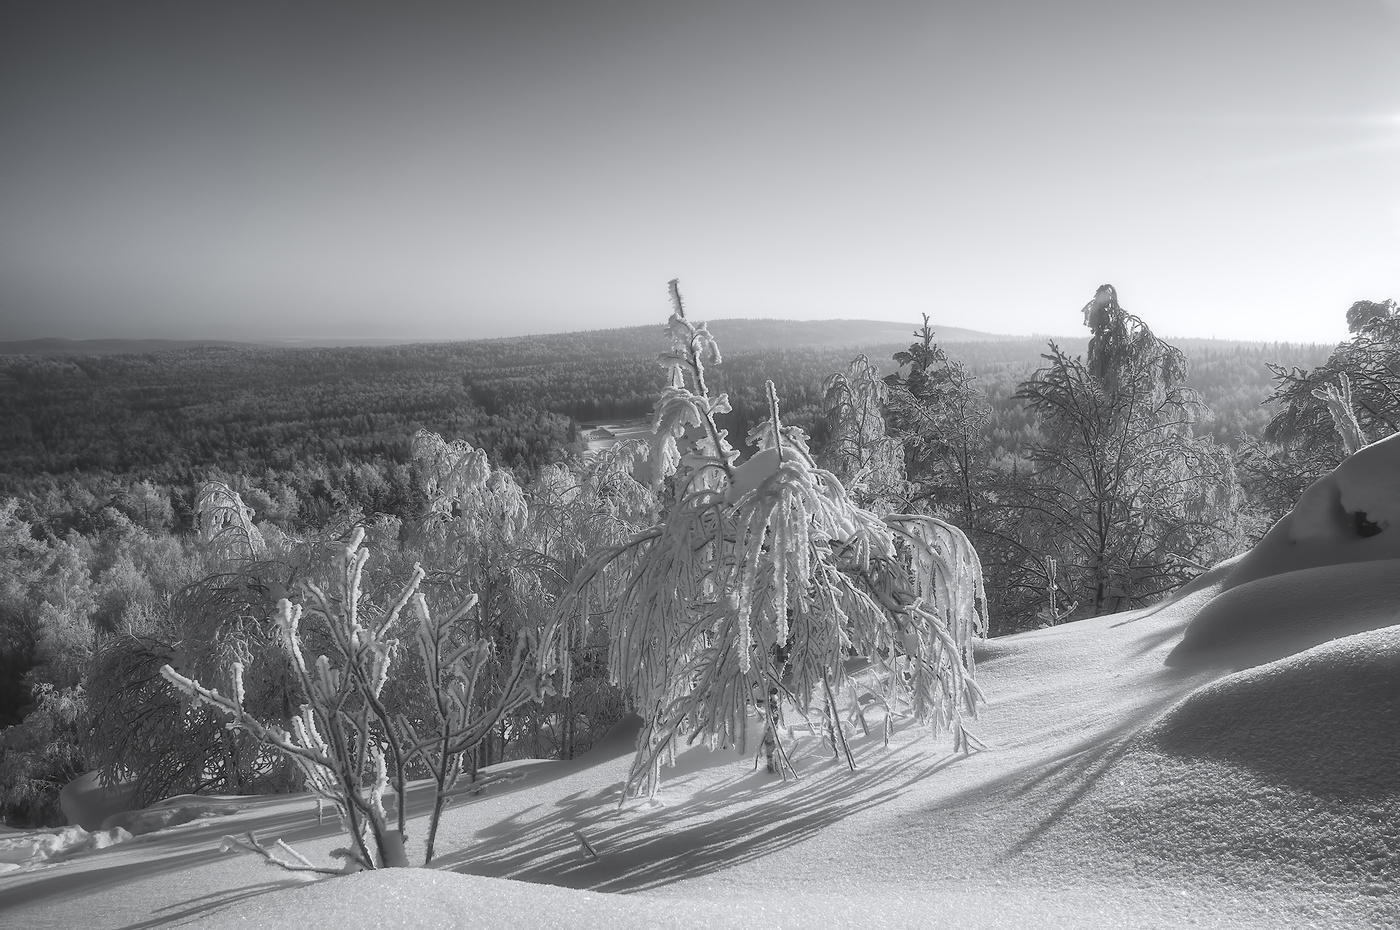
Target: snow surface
[1228, 759]
[1322, 528]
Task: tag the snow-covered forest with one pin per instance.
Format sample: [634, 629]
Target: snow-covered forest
[1115, 643]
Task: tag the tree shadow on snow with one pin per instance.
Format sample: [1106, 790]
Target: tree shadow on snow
[644, 846]
[1053, 785]
[196, 907]
[197, 843]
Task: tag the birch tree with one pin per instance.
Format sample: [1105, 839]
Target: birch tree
[1125, 499]
[763, 579]
[353, 746]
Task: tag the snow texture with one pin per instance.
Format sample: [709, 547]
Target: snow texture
[1247, 783]
[1349, 515]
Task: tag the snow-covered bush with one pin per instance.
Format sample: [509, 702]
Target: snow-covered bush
[517, 548]
[868, 461]
[352, 744]
[226, 522]
[763, 580]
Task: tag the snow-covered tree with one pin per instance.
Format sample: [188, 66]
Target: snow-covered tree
[764, 578]
[1325, 414]
[225, 522]
[1125, 498]
[868, 461]
[576, 509]
[939, 415]
[349, 740]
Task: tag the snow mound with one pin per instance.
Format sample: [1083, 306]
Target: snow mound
[1326, 720]
[1332, 565]
[86, 802]
[1364, 489]
[1349, 515]
[169, 813]
[1282, 776]
[1269, 618]
[432, 898]
[28, 850]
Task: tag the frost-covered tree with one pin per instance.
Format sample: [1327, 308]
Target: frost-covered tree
[859, 450]
[1325, 414]
[349, 739]
[939, 415]
[517, 548]
[576, 509]
[478, 525]
[221, 593]
[227, 523]
[763, 578]
[1125, 499]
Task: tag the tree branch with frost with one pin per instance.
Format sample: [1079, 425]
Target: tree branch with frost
[765, 559]
[455, 664]
[1337, 397]
[334, 739]
[278, 854]
[347, 740]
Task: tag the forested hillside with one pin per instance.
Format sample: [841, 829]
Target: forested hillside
[154, 508]
[167, 415]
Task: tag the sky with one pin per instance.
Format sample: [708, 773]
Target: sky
[441, 171]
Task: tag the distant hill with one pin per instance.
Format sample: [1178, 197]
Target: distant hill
[735, 335]
[756, 335]
[165, 407]
[106, 346]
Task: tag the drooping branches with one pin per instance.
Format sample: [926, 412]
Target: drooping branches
[763, 578]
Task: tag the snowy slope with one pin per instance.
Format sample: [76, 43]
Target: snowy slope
[1231, 759]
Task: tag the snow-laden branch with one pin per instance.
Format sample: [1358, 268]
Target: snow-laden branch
[763, 579]
[350, 744]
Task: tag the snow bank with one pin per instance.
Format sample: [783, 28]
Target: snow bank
[31, 849]
[1329, 568]
[419, 898]
[28, 849]
[427, 898]
[1269, 618]
[1364, 489]
[1349, 515]
[171, 813]
[86, 802]
[1325, 721]
[1285, 776]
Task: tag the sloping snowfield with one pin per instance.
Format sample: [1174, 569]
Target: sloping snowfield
[1228, 759]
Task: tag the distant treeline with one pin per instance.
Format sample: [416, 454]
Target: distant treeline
[171, 416]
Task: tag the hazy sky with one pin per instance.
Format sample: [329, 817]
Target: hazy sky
[291, 170]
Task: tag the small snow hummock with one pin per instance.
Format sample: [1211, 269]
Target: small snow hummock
[34, 848]
[1351, 514]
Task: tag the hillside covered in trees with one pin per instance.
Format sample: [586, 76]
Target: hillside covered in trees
[168, 415]
[157, 508]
